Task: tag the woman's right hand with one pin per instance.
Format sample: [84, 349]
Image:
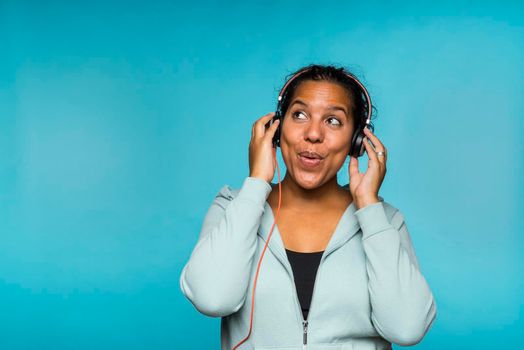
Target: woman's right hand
[261, 163]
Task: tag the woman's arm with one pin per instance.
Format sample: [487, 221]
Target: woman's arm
[216, 277]
[402, 305]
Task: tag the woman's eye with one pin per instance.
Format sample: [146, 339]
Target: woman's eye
[337, 122]
[297, 113]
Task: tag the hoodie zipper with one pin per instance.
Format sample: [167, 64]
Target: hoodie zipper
[304, 336]
[305, 322]
[297, 303]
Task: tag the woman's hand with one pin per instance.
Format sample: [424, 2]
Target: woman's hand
[261, 162]
[364, 187]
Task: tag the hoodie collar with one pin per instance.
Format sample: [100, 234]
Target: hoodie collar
[346, 228]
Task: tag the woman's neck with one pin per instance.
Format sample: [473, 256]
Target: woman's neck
[327, 195]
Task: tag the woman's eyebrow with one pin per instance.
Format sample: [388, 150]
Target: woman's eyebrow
[332, 107]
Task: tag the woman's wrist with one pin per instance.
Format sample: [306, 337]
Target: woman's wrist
[365, 201]
[259, 177]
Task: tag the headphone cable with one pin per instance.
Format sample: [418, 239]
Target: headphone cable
[263, 251]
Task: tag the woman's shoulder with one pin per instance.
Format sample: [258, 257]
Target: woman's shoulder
[227, 192]
[252, 188]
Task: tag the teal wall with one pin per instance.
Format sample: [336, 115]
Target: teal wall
[119, 122]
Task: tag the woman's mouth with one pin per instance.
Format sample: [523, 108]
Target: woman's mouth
[309, 162]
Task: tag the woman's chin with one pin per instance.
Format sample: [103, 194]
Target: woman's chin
[308, 181]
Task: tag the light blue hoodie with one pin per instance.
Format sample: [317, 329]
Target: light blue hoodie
[369, 291]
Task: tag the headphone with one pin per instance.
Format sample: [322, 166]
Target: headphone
[357, 147]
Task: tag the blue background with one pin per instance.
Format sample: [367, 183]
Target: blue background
[120, 122]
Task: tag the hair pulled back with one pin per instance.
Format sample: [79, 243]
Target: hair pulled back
[337, 75]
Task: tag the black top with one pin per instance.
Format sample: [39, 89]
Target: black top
[305, 266]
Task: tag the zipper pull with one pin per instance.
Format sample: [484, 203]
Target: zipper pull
[304, 337]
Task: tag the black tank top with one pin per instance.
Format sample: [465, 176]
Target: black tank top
[305, 266]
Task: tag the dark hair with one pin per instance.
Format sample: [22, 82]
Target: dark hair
[338, 75]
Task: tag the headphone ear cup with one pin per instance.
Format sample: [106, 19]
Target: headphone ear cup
[276, 136]
[357, 144]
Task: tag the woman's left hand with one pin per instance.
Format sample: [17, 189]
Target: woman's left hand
[364, 186]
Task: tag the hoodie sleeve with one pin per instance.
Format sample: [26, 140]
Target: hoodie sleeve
[402, 304]
[216, 277]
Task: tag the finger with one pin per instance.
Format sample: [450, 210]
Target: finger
[370, 151]
[353, 167]
[261, 123]
[272, 129]
[379, 147]
[374, 139]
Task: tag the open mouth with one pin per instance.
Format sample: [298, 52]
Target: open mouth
[308, 161]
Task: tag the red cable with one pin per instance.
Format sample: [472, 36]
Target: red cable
[263, 251]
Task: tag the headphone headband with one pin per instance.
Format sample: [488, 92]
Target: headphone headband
[351, 76]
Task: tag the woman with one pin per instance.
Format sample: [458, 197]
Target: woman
[340, 272]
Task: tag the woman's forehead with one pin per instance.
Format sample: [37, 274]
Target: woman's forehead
[327, 92]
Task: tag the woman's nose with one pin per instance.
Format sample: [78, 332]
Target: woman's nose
[314, 132]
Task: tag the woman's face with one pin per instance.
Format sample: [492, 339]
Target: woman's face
[318, 120]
